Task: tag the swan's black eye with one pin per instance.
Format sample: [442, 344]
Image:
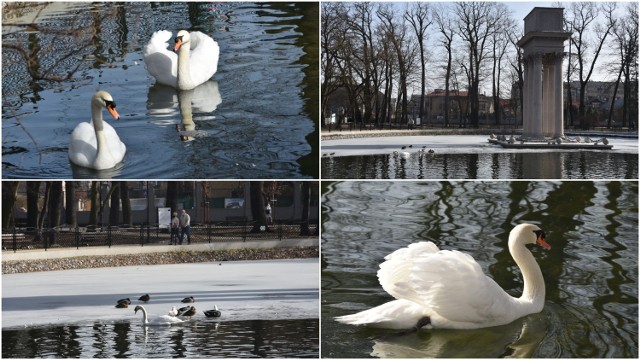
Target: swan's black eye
[111, 104]
[179, 38]
[540, 233]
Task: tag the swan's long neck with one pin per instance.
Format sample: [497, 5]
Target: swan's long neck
[184, 68]
[145, 320]
[98, 126]
[534, 290]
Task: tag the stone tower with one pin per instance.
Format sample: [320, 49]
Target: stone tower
[543, 51]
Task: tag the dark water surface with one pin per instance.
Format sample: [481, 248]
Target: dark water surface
[236, 339]
[591, 272]
[256, 118]
[517, 165]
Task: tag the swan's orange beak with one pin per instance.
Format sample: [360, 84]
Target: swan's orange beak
[540, 241]
[113, 112]
[178, 44]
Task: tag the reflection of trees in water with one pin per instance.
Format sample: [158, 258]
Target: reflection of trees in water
[41, 49]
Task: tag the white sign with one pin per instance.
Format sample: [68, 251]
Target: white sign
[164, 218]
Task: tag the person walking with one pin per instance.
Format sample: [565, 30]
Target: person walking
[185, 224]
[175, 227]
[267, 213]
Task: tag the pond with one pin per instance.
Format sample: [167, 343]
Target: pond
[235, 339]
[515, 165]
[256, 118]
[591, 271]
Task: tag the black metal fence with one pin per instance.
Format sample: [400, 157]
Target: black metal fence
[63, 237]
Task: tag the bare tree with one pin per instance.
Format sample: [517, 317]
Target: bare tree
[397, 35]
[625, 34]
[582, 18]
[419, 18]
[477, 22]
[447, 32]
[500, 42]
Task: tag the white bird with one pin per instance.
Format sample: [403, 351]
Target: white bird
[173, 312]
[96, 144]
[161, 320]
[447, 288]
[195, 63]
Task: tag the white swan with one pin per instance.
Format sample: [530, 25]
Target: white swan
[96, 144]
[161, 320]
[447, 289]
[195, 63]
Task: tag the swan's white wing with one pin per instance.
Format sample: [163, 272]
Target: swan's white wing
[161, 63]
[462, 292]
[83, 145]
[204, 57]
[450, 283]
[116, 146]
[398, 265]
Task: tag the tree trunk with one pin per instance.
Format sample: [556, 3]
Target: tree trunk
[126, 203]
[9, 192]
[95, 204]
[33, 195]
[306, 205]
[114, 203]
[55, 204]
[71, 208]
[613, 98]
[257, 207]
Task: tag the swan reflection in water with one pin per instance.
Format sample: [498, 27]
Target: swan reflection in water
[497, 341]
[165, 101]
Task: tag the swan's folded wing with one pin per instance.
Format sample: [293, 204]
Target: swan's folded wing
[453, 285]
[161, 63]
[399, 264]
[204, 56]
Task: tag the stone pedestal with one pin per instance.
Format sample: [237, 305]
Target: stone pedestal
[543, 51]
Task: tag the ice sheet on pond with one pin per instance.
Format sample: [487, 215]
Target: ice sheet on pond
[242, 290]
[443, 144]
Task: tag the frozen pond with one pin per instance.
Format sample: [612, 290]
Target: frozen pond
[590, 273]
[471, 157]
[268, 307]
[254, 119]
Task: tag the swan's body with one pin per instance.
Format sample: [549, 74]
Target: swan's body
[96, 144]
[195, 62]
[447, 289]
[161, 320]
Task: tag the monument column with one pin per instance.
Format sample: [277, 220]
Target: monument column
[543, 40]
[547, 98]
[536, 130]
[526, 96]
[558, 130]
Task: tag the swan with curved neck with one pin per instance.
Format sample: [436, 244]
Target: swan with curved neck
[96, 144]
[161, 320]
[447, 289]
[195, 63]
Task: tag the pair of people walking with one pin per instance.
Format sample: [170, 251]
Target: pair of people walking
[180, 225]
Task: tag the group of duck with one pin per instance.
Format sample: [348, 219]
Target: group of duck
[174, 314]
[421, 151]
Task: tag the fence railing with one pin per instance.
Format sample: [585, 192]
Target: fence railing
[15, 239]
